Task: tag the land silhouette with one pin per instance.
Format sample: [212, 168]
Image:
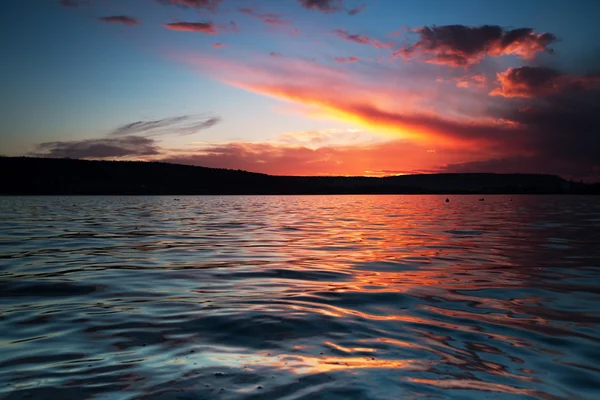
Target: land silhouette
[63, 176]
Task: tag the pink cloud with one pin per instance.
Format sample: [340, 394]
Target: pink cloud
[361, 39]
[203, 27]
[345, 60]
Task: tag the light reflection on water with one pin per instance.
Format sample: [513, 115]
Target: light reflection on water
[298, 297]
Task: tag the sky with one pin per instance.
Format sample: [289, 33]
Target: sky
[306, 87]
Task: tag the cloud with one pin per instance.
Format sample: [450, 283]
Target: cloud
[126, 146]
[345, 60]
[275, 54]
[219, 45]
[342, 33]
[74, 3]
[267, 18]
[466, 81]
[121, 19]
[182, 125]
[209, 5]
[326, 6]
[540, 81]
[459, 45]
[375, 159]
[559, 129]
[357, 9]
[204, 27]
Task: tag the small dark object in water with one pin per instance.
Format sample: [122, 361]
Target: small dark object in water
[176, 199]
[447, 200]
[482, 199]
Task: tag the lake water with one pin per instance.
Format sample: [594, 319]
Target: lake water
[300, 297]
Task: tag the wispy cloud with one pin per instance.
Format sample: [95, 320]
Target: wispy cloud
[346, 60]
[361, 39]
[219, 45]
[121, 19]
[267, 18]
[75, 3]
[357, 9]
[182, 125]
[326, 6]
[209, 5]
[203, 27]
[460, 45]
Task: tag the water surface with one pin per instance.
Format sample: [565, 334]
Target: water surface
[300, 297]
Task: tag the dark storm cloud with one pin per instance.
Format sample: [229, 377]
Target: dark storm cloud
[121, 19]
[99, 148]
[326, 6]
[541, 81]
[183, 125]
[557, 119]
[459, 45]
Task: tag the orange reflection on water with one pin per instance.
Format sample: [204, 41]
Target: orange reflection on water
[309, 365]
[350, 349]
[477, 385]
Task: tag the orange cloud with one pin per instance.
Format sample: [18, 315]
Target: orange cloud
[219, 45]
[204, 27]
[377, 159]
[374, 104]
[466, 81]
[540, 81]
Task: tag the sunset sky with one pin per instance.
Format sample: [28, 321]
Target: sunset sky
[307, 87]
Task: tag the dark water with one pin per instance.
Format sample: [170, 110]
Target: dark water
[307, 297]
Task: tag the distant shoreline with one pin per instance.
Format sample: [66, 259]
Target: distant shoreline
[24, 176]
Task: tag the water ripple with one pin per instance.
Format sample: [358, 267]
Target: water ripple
[300, 297]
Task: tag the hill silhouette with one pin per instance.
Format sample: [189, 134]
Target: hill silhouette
[52, 176]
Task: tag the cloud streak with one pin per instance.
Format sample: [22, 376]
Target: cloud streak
[182, 125]
[361, 39]
[74, 3]
[209, 5]
[203, 27]
[121, 19]
[346, 60]
[460, 45]
[267, 18]
[325, 6]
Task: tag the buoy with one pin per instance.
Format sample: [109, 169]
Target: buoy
[447, 200]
